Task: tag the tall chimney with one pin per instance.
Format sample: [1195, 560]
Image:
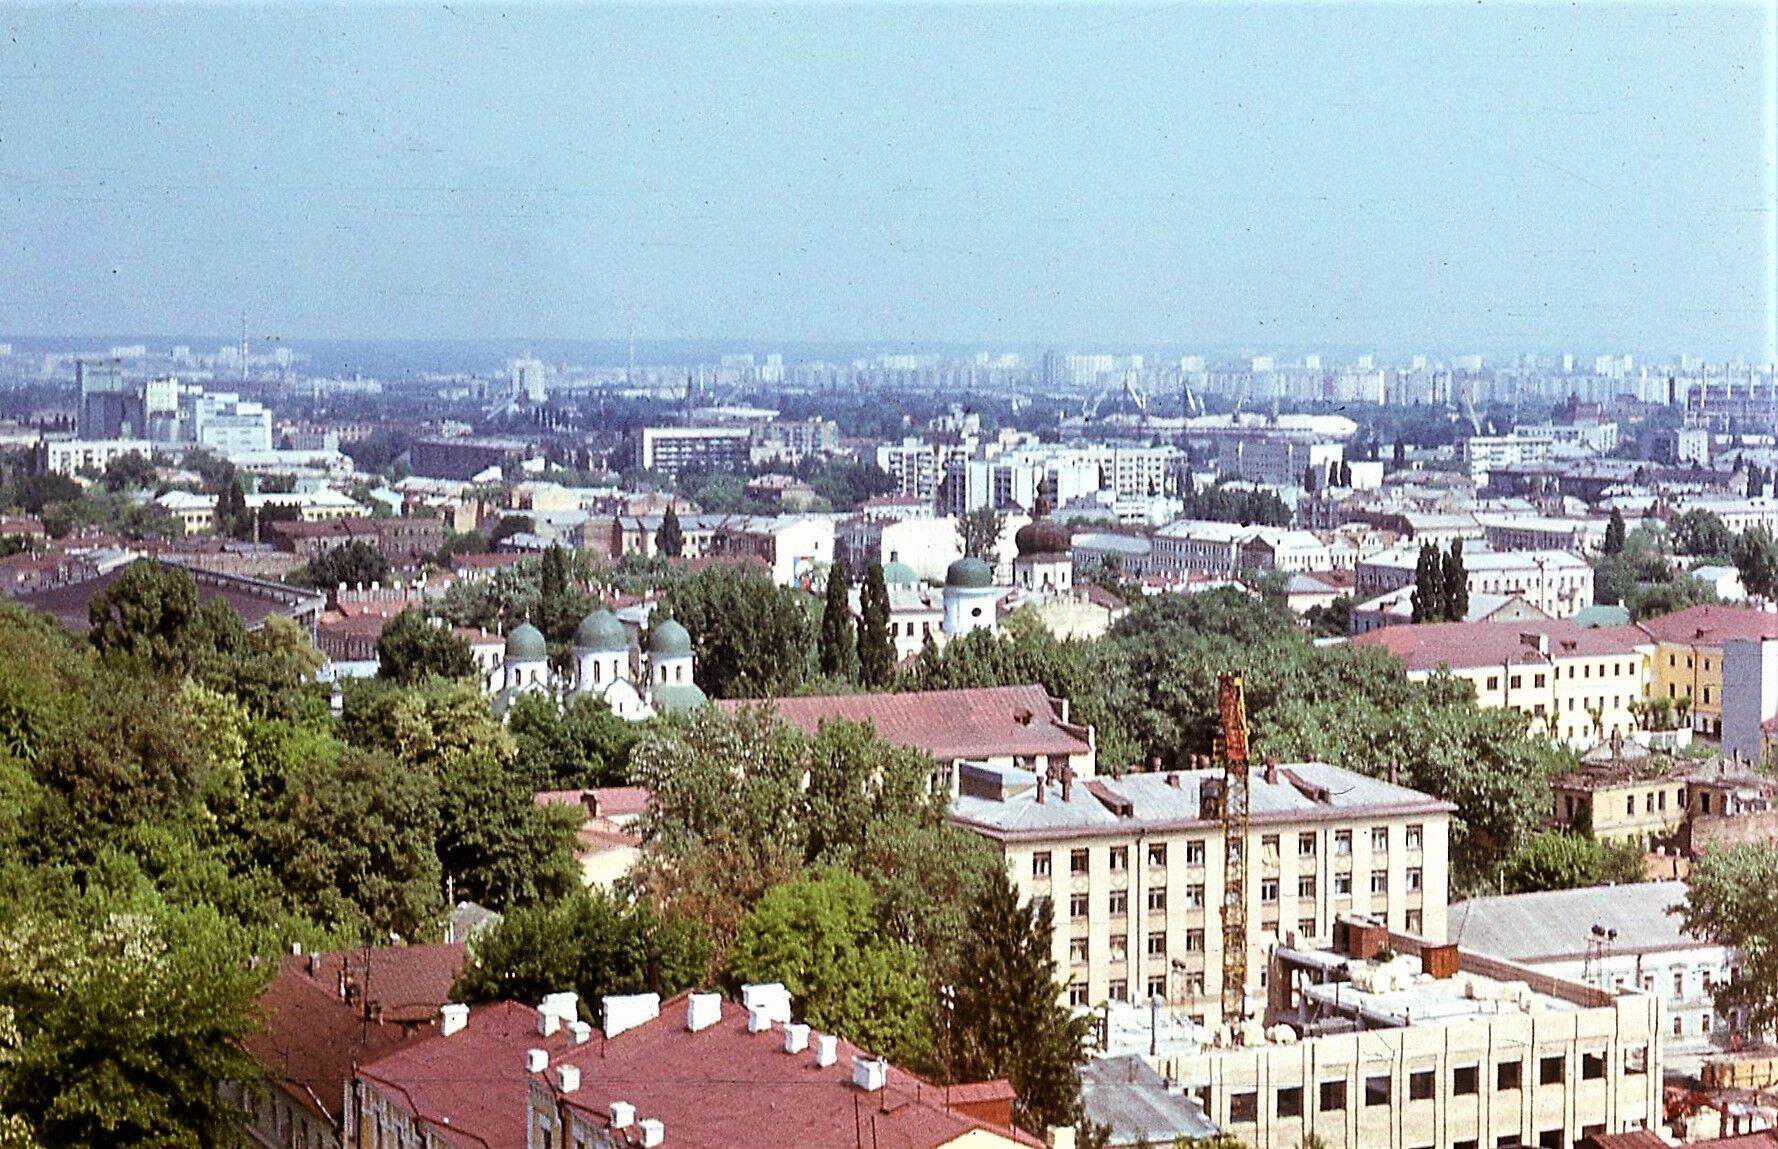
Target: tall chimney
[1043, 783]
[1271, 770]
[1067, 783]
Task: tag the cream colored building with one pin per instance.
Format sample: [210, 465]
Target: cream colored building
[1134, 868]
[1576, 684]
[1489, 1054]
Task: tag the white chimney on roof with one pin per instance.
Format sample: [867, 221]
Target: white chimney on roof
[796, 1038]
[623, 1013]
[827, 1050]
[547, 1022]
[758, 1020]
[869, 1073]
[702, 1010]
[536, 1060]
[565, 1006]
[452, 1018]
[623, 1115]
[772, 997]
[653, 1132]
[569, 1077]
[580, 1032]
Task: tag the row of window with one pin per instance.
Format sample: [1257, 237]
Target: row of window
[1422, 1085]
[1118, 901]
[1155, 942]
[1307, 845]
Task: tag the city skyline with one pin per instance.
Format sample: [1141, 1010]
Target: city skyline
[1389, 179]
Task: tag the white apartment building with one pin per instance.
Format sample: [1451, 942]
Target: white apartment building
[1134, 868]
[1558, 583]
[1204, 546]
[1509, 532]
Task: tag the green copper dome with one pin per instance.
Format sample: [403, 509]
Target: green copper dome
[899, 574]
[670, 640]
[601, 632]
[969, 574]
[525, 644]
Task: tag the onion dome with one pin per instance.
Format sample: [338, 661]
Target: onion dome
[1043, 537]
[601, 633]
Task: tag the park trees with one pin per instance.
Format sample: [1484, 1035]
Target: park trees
[669, 541]
[355, 563]
[838, 651]
[754, 638]
[979, 532]
[876, 649]
[1756, 557]
[1732, 898]
[411, 649]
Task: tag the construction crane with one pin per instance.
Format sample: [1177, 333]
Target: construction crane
[1231, 700]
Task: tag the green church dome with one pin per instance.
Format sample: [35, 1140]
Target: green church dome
[670, 640]
[969, 574]
[525, 644]
[601, 632]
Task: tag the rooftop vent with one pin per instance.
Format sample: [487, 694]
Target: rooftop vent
[869, 1073]
[770, 996]
[568, 1077]
[452, 1018]
[702, 1010]
[536, 1060]
[564, 1007]
[758, 1019]
[796, 1038]
[580, 1032]
[827, 1050]
[623, 1115]
[653, 1132]
[624, 1013]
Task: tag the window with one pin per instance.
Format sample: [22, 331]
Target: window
[1118, 990]
[1678, 1026]
[1630, 806]
[1537, 681]
[1514, 682]
[1194, 852]
[1660, 800]
[1465, 1080]
[1509, 1075]
[1268, 846]
[1470, 1144]
[1636, 1061]
[1343, 884]
[1306, 927]
[1493, 682]
[1194, 941]
[1415, 880]
[1120, 903]
[1290, 1101]
[1305, 845]
[1420, 1085]
[1077, 861]
[1268, 889]
[1077, 950]
[1379, 881]
[1077, 995]
[1040, 864]
[1550, 1139]
[1376, 1089]
[1380, 840]
[1592, 1066]
[1157, 986]
[1704, 1023]
[1333, 1096]
[1552, 1070]
[1243, 1107]
[1119, 858]
[1704, 803]
[1120, 947]
[1077, 905]
[1413, 922]
[1157, 944]
[1678, 984]
[1194, 896]
[1342, 842]
[1305, 886]
[1157, 854]
[1157, 897]
[1415, 837]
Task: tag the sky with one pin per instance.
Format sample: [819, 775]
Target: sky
[1395, 177]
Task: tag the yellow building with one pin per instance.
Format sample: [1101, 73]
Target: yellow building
[1576, 684]
[1622, 792]
[1134, 868]
[1687, 659]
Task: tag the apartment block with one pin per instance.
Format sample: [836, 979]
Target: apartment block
[1133, 867]
[1558, 583]
[1688, 658]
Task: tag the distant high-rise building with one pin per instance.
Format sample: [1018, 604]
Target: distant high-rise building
[110, 406]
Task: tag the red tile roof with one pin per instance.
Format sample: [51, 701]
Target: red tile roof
[1458, 645]
[473, 1082]
[985, 722]
[407, 983]
[1712, 625]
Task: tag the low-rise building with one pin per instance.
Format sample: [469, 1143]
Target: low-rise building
[1556, 582]
[1689, 655]
[1622, 792]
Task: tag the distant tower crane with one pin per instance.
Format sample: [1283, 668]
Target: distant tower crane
[1231, 699]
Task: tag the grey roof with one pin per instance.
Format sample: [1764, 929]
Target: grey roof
[1129, 1096]
[1556, 924]
[1155, 803]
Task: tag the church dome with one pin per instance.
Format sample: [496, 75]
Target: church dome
[670, 640]
[601, 632]
[1043, 537]
[897, 573]
[525, 644]
[969, 574]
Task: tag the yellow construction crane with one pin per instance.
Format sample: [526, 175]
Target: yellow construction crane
[1231, 699]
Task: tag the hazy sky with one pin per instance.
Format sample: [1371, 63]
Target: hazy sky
[1436, 176]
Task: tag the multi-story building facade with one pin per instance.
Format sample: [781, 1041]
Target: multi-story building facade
[1622, 792]
[668, 450]
[1689, 654]
[1558, 583]
[1134, 868]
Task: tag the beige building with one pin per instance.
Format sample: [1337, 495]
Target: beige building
[1428, 1047]
[1623, 792]
[1134, 868]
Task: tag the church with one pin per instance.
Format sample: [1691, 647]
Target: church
[635, 685]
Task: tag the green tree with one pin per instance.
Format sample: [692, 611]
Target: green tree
[1004, 1019]
[1702, 533]
[411, 648]
[1455, 599]
[233, 519]
[1732, 899]
[1552, 860]
[129, 472]
[1756, 557]
[818, 936]
[349, 564]
[588, 941]
[578, 745]
[876, 649]
[1428, 598]
[838, 650]
[670, 539]
[979, 531]
[150, 614]
[1614, 533]
[753, 638]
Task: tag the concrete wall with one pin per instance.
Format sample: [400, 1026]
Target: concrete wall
[1749, 694]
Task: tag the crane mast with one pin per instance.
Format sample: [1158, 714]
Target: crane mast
[1231, 747]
